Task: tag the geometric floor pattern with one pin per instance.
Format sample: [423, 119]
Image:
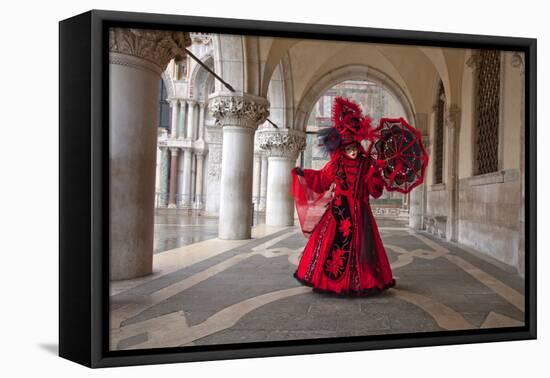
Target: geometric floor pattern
[223, 292]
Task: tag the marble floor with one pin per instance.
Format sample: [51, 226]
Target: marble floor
[207, 291]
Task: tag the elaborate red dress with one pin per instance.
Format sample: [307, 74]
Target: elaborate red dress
[344, 254]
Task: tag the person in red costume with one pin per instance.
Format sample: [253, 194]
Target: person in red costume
[344, 254]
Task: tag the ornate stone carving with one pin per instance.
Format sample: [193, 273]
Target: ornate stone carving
[213, 134]
[473, 60]
[204, 38]
[155, 46]
[518, 61]
[452, 116]
[214, 162]
[239, 110]
[281, 142]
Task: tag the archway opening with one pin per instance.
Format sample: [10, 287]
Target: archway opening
[376, 101]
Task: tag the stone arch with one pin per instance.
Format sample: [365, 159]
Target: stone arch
[439, 133]
[350, 72]
[278, 54]
[168, 84]
[437, 58]
[280, 94]
[228, 55]
[200, 78]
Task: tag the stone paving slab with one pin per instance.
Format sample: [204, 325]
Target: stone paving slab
[433, 293]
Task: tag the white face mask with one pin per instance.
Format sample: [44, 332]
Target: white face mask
[351, 152]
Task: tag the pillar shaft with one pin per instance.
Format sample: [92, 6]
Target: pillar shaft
[173, 177]
[236, 183]
[175, 117]
[186, 182]
[256, 179]
[202, 110]
[182, 119]
[264, 169]
[200, 168]
[136, 60]
[518, 62]
[190, 120]
[452, 120]
[416, 200]
[163, 185]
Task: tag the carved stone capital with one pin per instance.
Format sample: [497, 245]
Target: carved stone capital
[518, 61]
[473, 60]
[200, 147]
[162, 133]
[154, 46]
[426, 141]
[452, 117]
[173, 101]
[204, 38]
[281, 142]
[238, 109]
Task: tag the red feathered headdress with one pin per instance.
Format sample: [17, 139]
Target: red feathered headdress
[349, 126]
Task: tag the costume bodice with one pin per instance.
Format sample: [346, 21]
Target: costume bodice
[347, 173]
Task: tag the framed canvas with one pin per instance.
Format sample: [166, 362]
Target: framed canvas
[235, 188]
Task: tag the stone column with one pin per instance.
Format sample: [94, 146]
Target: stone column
[416, 207]
[263, 182]
[186, 181]
[202, 110]
[173, 176]
[198, 191]
[158, 159]
[174, 104]
[416, 200]
[190, 119]
[179, 195]
[256, 179]
[239, 114]
[136, 60]
[163, 187]
[182, 119]
[518, 62]
[452, 123]
[282, 147]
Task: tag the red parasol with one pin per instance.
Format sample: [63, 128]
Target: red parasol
[398, 149]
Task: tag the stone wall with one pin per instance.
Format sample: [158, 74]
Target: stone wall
[488, 214]
[437, 200]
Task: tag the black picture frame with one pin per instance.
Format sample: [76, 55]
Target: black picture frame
[84, 183]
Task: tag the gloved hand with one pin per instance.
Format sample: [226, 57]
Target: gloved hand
[299, 171]
[379, 165]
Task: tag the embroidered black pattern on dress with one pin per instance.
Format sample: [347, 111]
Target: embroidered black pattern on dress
[313, 263]
[337, 260]
[341, 175]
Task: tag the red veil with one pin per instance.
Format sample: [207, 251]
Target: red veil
[310, 205]
[311, 198]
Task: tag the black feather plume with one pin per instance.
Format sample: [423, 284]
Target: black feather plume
[329, 140]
